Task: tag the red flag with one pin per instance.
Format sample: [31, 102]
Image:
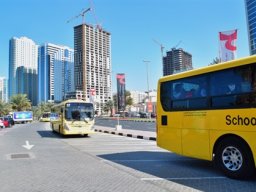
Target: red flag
[227, 45]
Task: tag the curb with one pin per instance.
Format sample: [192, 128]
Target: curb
[126, 134]
[135, 120]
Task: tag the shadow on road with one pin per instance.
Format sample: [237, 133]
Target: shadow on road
[50, 134]
[198, 174]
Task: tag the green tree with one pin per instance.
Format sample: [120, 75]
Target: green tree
[215, 61]
[128, 99]
[5, 108]
[108, 107]
[41, 108]
[20, 102]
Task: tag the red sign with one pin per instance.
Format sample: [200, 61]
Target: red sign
[150, 107]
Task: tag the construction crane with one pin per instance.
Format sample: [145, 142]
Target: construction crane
[161, 47]
[98, 25]
[177, 45]
[82, 14]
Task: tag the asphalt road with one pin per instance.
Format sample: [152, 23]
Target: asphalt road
[133, 125]
[100, 163]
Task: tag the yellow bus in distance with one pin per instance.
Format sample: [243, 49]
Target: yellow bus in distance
[210, 113]
[73, 117]
[45, 117]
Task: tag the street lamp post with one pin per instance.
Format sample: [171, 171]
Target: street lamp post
[147, 62]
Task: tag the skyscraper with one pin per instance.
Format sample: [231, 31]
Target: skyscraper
[92, 61]
[176, 61]
[63, 73]
[51, 55]
[3, 89]
[250, 6]
[23, 60]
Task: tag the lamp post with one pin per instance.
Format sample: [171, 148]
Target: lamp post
[147, 62]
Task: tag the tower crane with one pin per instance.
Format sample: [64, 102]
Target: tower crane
[161, 47]
[98, 25]
[82, 14]
[177, 45]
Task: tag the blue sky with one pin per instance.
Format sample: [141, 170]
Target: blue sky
[133, 25]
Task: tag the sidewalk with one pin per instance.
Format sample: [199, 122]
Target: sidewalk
[148, 135]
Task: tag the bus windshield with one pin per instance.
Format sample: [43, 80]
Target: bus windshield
[79, 111]
[46, 115]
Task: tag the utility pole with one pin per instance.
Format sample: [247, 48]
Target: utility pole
[147, 62]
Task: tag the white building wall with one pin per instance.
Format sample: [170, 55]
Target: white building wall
[23, 52]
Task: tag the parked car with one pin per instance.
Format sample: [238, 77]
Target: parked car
[143, 115]
[153, 115]
[2, 124]
[5, 122]
[10, 119]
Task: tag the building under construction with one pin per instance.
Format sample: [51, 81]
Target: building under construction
[92, 64]
[176, 60]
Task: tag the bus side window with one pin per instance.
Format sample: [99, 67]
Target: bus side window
[178, 91]
[166, 90]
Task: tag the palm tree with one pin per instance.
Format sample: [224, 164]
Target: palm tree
[20, 102]
[128, 98]
[109, 107]
[41, 108]
[5, 108]
[215, 61]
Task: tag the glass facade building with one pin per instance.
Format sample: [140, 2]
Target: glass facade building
[250, 6]
[23, 63]
[50, 71]
[63, 74]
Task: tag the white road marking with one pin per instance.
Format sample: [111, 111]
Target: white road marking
[179, 178]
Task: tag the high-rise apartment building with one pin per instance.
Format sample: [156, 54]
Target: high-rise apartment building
[176, 61]
[23, 62]
[3, 89]
[250, 7]
[93, 63]
[53, 56]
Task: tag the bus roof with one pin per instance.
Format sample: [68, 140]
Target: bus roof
[210, 68]
[72, 101]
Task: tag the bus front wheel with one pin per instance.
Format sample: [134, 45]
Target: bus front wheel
[234, 158]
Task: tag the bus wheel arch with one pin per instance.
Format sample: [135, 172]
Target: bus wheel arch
[233, 156]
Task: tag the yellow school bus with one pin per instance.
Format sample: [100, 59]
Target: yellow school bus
[209, 113]
[45, 117]
[73, 117]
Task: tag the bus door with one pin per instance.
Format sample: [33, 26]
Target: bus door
[195, 134]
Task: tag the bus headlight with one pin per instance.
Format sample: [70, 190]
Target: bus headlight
[92, 127]
[66, 127]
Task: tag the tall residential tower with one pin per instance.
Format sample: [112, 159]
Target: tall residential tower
[176, 61]
[23, 60]
[92, 63]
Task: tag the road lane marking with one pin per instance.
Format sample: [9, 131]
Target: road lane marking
[180, 178]
[138, 160]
